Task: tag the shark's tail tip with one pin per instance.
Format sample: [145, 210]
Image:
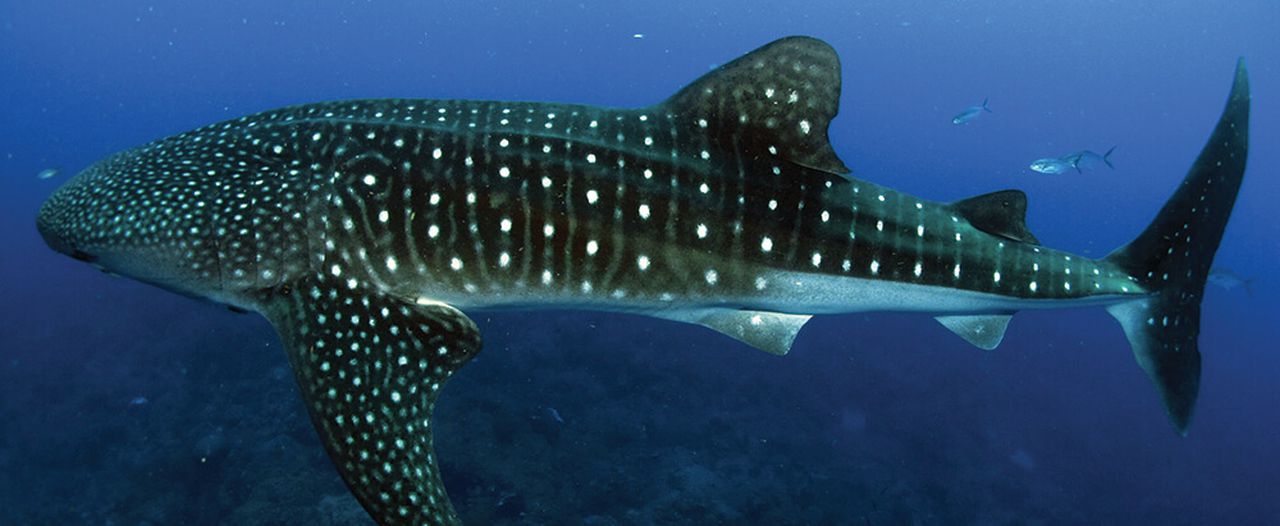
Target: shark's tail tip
[1172, 257]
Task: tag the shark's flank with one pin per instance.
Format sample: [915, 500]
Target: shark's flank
[364, 229]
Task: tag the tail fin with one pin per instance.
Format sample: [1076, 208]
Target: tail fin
[1171, 258]
[984, 106]
[1106, 158]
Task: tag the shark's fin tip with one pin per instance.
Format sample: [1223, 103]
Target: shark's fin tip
[775, 101]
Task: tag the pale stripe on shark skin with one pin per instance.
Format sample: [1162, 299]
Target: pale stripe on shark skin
[359, 228]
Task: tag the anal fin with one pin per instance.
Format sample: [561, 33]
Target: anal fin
[370, 367]
[984, 332]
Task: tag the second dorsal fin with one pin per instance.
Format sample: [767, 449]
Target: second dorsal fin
[776, 100]
[1002, 213]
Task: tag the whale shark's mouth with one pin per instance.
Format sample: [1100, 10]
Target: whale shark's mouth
[83, 256]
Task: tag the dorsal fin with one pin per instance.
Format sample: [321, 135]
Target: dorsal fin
[778, 99]
[1002, 213]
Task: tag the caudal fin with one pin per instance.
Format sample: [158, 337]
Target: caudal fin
[984, 106]
[1106, 158]
[1171, 258]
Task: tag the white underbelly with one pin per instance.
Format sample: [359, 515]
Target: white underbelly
[787, 292]
[799, 292]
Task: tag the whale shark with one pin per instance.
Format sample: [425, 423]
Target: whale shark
[365, 230]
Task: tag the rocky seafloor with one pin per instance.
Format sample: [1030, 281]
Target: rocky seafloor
[180, 413]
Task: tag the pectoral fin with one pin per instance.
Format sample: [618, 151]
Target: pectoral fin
[984, 332]
[370, 367]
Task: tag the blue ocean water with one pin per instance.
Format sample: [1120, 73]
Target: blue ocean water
[124, 404]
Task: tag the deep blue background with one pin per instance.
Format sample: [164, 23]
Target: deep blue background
[935, 425]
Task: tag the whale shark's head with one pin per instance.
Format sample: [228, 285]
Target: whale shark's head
[185, 213]
[125, 217]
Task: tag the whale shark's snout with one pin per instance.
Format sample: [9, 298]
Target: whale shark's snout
[129, 215]
[58, 224]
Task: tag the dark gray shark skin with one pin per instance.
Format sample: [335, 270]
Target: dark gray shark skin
[361, 228]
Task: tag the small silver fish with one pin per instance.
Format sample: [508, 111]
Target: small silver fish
[1228, 279]
[47, 173]
[141, 400]
[1085, 158]
[1073, 161]
[971, 113]
[1050, 165]
[1023, 459]
[555, 415]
